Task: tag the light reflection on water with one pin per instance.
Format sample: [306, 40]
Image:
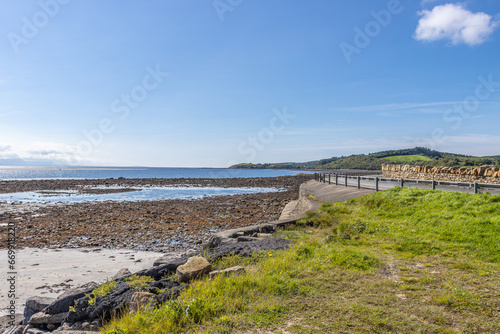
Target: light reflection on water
[141, 194]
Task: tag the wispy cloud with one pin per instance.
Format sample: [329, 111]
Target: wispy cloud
[394, 106]
[455, 23]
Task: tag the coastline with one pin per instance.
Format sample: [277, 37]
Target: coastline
[160, 225]
[126, 234]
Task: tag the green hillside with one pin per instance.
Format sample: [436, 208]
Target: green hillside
[373, 161]
[407, 158]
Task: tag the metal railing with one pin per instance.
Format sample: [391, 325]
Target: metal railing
[333, 178]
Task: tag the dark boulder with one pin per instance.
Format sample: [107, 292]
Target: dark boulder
[164, 284]
[105, 306]
[171, 294]
[249, 247]
[63, 302]
[159, 272]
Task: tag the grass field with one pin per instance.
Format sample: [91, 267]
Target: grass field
[397, 261]
[407, 158]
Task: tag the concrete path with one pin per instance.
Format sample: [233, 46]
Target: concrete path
[314, 193]
[370, 185]
[328, 193]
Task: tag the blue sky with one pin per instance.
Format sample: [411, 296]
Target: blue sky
[212, 83]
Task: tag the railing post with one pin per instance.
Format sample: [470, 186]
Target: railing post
[359, 182]
[329, 178]
[345, 175]
[402, 183]
[433, 184]
[476, 188]
[376, 183]
[336, 179]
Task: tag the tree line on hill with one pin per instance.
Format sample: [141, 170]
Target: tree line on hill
[374, 161]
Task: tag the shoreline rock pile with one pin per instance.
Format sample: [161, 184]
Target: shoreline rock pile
[81, 310]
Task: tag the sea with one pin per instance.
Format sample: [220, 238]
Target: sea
[12, 173]
[143, 193]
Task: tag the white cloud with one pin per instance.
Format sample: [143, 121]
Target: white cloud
[455, 23]
[52, 153]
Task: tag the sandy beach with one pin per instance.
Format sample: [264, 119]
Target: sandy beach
[50, 272]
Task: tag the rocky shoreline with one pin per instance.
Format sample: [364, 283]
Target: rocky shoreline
[71, 311]
[164, 225]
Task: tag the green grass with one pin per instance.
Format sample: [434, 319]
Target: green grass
[101, 291]
[138, 282]
[399, 261]
[407, 158]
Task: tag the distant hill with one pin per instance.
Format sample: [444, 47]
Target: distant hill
[374, 161]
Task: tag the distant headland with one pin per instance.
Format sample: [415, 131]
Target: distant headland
[374, 161]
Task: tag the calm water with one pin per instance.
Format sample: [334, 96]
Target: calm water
[142, 194]
[140, 173]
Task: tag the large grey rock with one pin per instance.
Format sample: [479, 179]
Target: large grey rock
[213, 242]
[121, 273]
[63, 302]
[35, 305]
[249, 247]
[174, 259]
[106, 306]
[247, 231]
[42, 318]
[196, 266]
